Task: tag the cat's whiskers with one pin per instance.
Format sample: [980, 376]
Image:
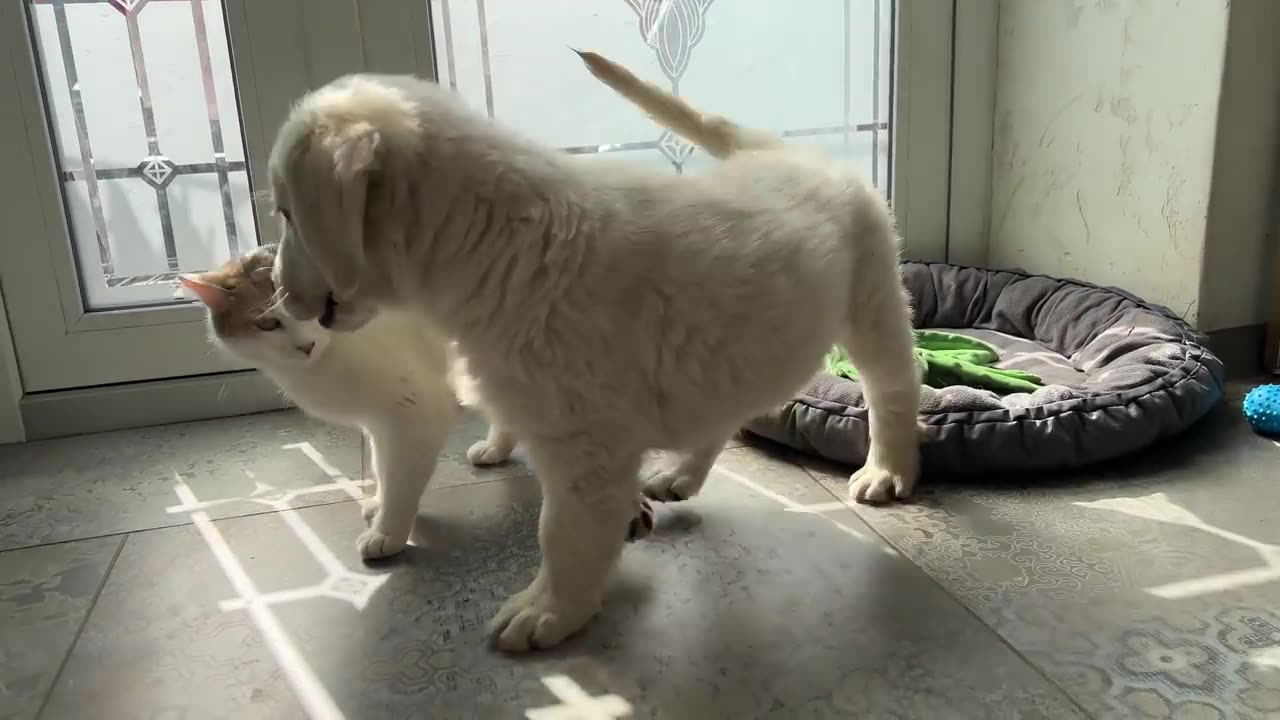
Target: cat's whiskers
[275, 301]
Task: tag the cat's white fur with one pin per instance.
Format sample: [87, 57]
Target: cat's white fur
[389, 379]
[603, 309]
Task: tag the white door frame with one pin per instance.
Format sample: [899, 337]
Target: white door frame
[11, 429]
[58, 343]
[281, 48]
[943, 104]
[921, 134]
[973, 107]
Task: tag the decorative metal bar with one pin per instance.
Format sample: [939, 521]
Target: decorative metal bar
[124, 6]
[610, 147]
[165, 278]
[82, 135]
[448, 44]
[484, 57]
[137, 172]
[158, 169]
[215, 127]
[848, 77]
[655, 144]
[893, 48]
[863, 127]
[875, 96]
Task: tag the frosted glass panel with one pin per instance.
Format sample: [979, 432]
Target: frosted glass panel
[146, 126]
[817, 72]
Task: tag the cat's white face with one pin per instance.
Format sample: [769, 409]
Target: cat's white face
[245, 319]
[276, 341]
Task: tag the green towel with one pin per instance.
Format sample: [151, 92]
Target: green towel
[949, 359]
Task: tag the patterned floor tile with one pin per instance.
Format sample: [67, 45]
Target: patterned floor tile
[1148, 588]
[762, 598]
[115, 482]
[45, 594]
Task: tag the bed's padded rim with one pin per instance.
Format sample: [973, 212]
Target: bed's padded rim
[1142, 386]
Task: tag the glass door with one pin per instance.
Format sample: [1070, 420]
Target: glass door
[819, 73]
[133, 132]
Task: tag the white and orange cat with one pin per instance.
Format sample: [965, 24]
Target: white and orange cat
[391, 380]
[396, 379]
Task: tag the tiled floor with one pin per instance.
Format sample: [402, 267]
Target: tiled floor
[1148, 589]
[209, 570]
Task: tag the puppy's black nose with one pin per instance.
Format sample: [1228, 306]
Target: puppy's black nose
[330, 310]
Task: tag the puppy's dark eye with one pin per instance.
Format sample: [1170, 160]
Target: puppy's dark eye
[267, 324]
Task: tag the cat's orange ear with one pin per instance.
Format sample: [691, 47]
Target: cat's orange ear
[213, 296]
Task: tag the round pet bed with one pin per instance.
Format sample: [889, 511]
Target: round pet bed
[1118, 373]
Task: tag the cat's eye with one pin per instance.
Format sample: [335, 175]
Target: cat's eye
[267, 324]
[285, 214]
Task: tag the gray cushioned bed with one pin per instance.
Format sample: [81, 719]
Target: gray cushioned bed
[1118, 374]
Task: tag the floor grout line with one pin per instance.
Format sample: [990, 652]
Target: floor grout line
[169, 526]
[900, 550]
[75, 639]
[254, 513]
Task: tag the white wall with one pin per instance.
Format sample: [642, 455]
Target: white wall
[1105, 121]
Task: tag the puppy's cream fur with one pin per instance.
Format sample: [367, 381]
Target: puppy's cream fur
[604, 310]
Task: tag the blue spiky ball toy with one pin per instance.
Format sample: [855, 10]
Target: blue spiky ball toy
[1262, 409]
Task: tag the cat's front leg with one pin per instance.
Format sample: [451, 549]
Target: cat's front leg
[404, 457]
[369, 505]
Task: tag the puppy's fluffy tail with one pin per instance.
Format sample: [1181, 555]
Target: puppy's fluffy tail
[715, 134]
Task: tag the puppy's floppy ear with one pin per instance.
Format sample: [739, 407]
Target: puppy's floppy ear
[355, 151]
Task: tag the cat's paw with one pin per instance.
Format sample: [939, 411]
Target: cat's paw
[374, 544]
[485, 453]
[641, 526]
[875, 485]
[532, 620]
[369, 507]
[671, 485]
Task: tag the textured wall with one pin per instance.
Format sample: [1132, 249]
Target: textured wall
[1104, 141]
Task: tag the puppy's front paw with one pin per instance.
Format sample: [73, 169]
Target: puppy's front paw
[532, 620]
[875, 485]
[484, 453]
[369, 507]
[671, 486]
[374, 544]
